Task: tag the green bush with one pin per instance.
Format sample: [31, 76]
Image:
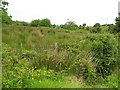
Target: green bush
[80, 60]
[15, 69]
[105, 49]
[84, 67]
[95, 30]
[113, 29]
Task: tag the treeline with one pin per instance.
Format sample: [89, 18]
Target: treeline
[69, 25]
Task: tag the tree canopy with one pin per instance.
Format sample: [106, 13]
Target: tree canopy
[71, 25]
[5, 17]
[44, 22]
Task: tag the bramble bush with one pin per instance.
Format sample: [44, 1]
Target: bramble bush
[105, 50]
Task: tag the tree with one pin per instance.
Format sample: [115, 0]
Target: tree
[54, 26]
[69, 25]
[5, 17]
[24, 23]
[112, 28]
[80, 26]
[35, 23]
[117, 21]
[117, 28]
[84, 25]
[96, 28]
[45, 22]
[97, 25]
[20, 23]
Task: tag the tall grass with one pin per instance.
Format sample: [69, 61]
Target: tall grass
[39, 57]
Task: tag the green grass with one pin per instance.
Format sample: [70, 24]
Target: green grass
[111, 82]
[43, 58]
[53, 84]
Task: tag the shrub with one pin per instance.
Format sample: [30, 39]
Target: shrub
[13, 70]
[80, 60]
[113, 29]
[104, 48]
[83, 66]
[95, 30]
[87, 28]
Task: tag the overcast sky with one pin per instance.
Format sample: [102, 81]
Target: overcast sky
[58, 11]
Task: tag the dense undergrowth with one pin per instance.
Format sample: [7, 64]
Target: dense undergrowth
[39, 57]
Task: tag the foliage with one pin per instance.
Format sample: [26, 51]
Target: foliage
[80, 27]
[104, 48]
[84, 67]
[44, 22]
[20, 23]
[84, 25]
[87, 28]
[70, 25]
[43, 57]
[97, 25]
[112, 29]
[117, 25]
[17, 69]
[54, 25]
[35, 23]
[6, 19]
[117, 21]
[95, 30]
[115, 28]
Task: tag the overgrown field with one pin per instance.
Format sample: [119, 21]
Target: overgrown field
[39, 57]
